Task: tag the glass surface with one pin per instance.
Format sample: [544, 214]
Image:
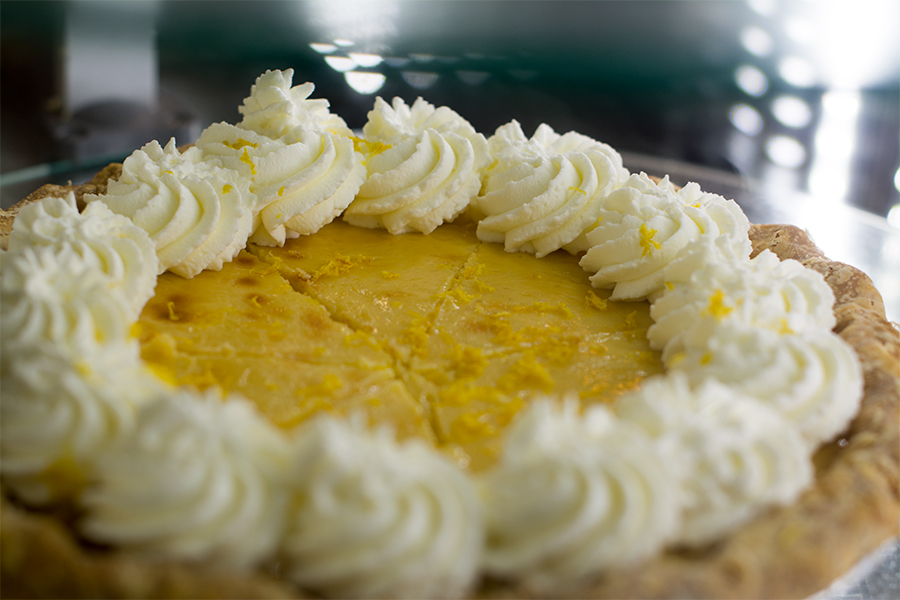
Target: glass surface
[801, 95]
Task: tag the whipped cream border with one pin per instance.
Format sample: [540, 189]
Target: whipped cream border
[468, 576]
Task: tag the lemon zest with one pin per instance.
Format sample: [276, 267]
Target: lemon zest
[595, 301]
[717, 307]
[647, 242]
[245, 158]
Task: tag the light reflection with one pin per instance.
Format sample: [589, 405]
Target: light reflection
[897, 180]
[797, 71]
[350, 23]
[364, 59]
[835, 145]
[746, 119]
[756, 41]
[323, 48]
[473, 77]
[765, 8]
[364, 82]
[856, 42]
[751, 80]
[421, 57]
[398, 62]
[799, 29]
[893, 216]
[420, 80]
[785, 151]
[341, 63]
[792, 111]
[742, 150]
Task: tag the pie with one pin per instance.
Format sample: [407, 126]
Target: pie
[447, 337]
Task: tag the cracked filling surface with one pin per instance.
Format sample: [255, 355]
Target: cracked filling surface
[443, 337]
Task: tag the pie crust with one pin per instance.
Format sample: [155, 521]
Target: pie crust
[794, 551]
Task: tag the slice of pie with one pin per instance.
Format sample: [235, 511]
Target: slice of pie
[516, 387]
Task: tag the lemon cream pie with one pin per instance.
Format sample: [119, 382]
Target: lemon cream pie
[421, 362]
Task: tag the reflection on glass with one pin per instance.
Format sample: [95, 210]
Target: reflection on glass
[792, 111]
[341, 63]
[746, 119]
[893, 216]
[364, 59]
[398, 62]
[323, 48]
[756, 41]
[855, 42]
[835, 145]
[421, 57]
[364, 82]
[785, 151]
[420, 80]
[797, 71]
[799, 30]
[764, 7]
[348, 23]
[473, 77]
[751, 80]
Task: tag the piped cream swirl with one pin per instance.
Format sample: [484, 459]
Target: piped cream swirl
[302, 181]
[424, 166]
[575, 496]
[733, 456]
[109, 242]
[198, 214]
[374, 518]
[708, 284]
[644, 225]
[275, 108]
[545, 193]
[199, 478]
[70, 372]
[58, 298]
[813, 378]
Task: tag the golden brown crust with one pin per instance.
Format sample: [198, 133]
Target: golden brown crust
[39, 558]
[791, 552]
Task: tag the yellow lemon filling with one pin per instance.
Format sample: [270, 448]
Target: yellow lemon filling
[442, 337]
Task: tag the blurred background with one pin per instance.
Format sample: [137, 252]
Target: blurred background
[790, 107]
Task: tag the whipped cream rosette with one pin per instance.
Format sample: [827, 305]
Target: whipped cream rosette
[709, 283]
[70, 371]
[812, 378]
[200, 477]
[424, 165]
[107, 241]
[58, 298]
[374, 518]
[733, 456]
[59, 415]
[198, 213]
[274, 107]
[302, 180]
[644, 225]
[544, 193]
[574, 496]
